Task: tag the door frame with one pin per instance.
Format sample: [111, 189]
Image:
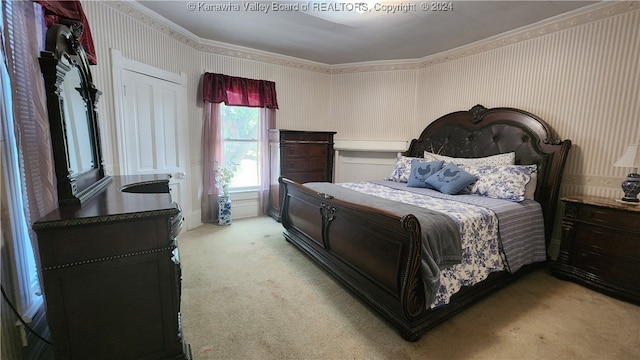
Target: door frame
[119, 63]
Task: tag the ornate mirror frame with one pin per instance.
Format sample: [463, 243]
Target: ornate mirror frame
[71, 104]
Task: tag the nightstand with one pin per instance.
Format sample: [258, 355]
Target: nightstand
[600, 246]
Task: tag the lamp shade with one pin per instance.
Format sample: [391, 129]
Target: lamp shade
[630, 158]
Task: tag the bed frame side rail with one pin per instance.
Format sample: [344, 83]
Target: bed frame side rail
[385, 273]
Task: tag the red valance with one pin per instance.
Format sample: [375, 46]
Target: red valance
[232, 90]
[70, 10]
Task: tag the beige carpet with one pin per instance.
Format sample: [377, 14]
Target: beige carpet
[248, 294]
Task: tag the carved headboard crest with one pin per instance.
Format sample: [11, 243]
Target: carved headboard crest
[476, 113]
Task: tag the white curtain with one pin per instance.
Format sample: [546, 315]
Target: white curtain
[212, 144]
[267, 122]
[28, 177]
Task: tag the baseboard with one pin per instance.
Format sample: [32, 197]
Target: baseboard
[554, 248]
[193, 220]
[243, 205]
[36, 348]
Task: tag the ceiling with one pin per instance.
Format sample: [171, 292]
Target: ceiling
[341, 32]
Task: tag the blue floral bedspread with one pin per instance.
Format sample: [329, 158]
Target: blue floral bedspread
[482, 248]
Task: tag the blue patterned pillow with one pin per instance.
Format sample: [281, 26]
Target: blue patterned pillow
[421, 171]
[402, 169]
[451, 179]
[507, 182]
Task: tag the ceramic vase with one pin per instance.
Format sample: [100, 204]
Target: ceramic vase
[224, 210]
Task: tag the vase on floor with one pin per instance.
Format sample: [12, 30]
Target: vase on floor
[224, 210]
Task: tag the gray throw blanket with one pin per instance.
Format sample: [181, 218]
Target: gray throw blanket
[440, 246]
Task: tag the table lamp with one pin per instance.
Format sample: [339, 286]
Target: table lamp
[630, 186]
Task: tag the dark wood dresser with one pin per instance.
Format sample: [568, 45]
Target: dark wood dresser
[302, 156]
[111, 273]
[600, 246]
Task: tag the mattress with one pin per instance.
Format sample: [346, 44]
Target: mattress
[495, 234]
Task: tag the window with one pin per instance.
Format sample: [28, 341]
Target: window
[16, 77]
[238, 115]
[240, 129]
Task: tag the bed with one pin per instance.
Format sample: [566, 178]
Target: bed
[400, 257]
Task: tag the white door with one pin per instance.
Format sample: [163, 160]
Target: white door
[154, 130]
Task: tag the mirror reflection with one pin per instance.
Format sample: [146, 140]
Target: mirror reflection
[77, 129]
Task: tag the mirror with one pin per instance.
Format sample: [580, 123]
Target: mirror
[77, 132]
[71, 101]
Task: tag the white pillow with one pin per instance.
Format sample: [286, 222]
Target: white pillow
[493, 160]
[507, 182]
[530, 190]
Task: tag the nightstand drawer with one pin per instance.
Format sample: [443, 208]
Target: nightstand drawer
[623, 271]
[606, 241]
[608, 217]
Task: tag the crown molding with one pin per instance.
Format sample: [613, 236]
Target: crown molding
[549, 26]
[157, 22]
[219, 48]
[552, 25]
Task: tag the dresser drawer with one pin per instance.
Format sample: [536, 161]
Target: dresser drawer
[304, 136]
[78, 245]
[307, 151]
[304, 164]
[176, 224]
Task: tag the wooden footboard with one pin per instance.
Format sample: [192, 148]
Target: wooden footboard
[376, 255]
[373, 253]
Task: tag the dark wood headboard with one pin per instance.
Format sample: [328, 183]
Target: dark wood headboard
[481, 132]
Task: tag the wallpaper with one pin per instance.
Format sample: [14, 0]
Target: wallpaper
[580, 73]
